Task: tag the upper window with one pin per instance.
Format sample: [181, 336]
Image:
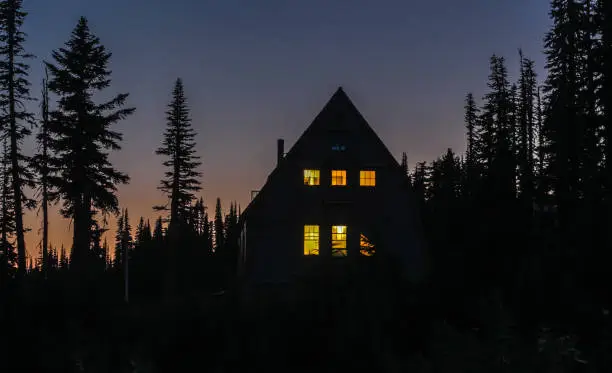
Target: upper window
[312, 177]
[311, 240]
[338, 177]
[367, 178]
[339, 148]
[339, 240]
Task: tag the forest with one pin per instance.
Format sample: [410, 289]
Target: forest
[517, 227]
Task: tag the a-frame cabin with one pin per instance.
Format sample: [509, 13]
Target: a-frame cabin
[337, 195]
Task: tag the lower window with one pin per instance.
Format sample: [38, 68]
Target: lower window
[311, 240]
[366, 247]
[339, 240]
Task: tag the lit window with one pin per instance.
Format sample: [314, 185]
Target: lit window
[338, 177]
[367, 178]
[312, 177]
[339, 148]
[366, 248]
[311, 240]
[339, 240]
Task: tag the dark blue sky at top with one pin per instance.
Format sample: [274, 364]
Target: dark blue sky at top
[255, 71]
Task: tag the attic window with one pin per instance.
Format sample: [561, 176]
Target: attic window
[312, 177]
[339, 240]
[338, 177]
[338, 148]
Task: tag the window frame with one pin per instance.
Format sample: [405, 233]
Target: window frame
[312, 180]
[341, 236]
[343, 177]
[312, 233]
[366, 247]
[365, 180]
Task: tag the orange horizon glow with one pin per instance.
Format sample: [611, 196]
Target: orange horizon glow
[138, 199]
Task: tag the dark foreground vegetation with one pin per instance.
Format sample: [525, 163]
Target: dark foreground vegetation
[518, 232]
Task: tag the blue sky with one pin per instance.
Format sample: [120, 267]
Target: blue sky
[258, 71]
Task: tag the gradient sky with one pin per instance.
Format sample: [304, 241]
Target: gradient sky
[255, 71]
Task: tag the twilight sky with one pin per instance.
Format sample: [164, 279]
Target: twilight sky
[255, 71]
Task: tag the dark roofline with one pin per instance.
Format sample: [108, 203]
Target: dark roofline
[339, 94]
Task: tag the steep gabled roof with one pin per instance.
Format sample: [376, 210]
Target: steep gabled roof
[339, 113]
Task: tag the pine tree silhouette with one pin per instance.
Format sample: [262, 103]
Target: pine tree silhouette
[158, 231]
[219, 228]
[82, 136]
[119, 239]
[42, 163]
[180, 180]
[13, 99]
[7, 222]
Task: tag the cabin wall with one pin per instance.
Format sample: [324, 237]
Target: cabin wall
[339, 138]
[274, 238]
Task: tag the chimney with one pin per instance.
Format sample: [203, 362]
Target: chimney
[280, 151]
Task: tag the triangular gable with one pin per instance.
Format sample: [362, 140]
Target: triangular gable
[338, 114]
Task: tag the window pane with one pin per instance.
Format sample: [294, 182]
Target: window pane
[367, 178]
[312, 177]
[366, 248]
[339, 240]
[338, 177]
[311, 240]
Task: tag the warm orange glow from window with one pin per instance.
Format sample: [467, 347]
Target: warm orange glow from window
[338, 177]
[366, 248]
[367, 178]
[312, 177]
[311, 240]
[339, 240]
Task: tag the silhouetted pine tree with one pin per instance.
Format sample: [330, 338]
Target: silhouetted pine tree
[42, 164]
[14, 95]
[7, 221]
[180, 180]
[127, 246]
[219, 228]
[404, 166]
[98, 253]
[472, 151]
[64, 262]
[148, 236]
[140, 232]
[82, 136]
[498, 107]
[593, 242]
[208, 234]
[126, 236]
[563, 135]
[495, 252]
[53, 261]
[158, 231]
[443, 214]
[526, 119]
[540, 148]
[107, 257]
[118, 257]
[231, 219]
[199, 211]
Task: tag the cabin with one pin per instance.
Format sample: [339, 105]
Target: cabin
[338, 195]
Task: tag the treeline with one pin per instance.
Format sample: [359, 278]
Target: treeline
[523, 217]
[71, 167]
